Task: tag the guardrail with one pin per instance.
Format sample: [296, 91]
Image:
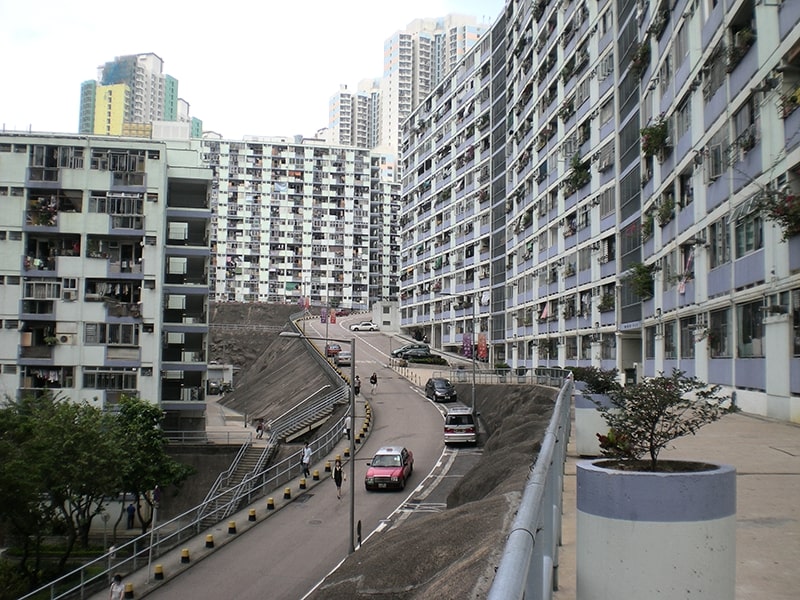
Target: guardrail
[529, 564]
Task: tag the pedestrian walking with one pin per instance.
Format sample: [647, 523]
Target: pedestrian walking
[260, 429]
[374, 381]
[338, 476]
[117, 590]
[348, 424]
[131, 513]
[357, 385]
[306, 460]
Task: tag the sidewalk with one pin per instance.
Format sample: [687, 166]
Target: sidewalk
[766, 454]
[222, 425]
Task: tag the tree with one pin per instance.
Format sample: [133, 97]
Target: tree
[145, 464]
[644, 417]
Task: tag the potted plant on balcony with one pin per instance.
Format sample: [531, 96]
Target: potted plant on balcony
[784, 209]
[649, 527]
[640, 277]
[654, 137]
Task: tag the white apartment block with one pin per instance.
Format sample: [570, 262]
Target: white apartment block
[104, 253]
[614, 183]
[299, 220]
[414, 61]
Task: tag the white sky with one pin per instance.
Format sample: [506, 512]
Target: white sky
[261, 67]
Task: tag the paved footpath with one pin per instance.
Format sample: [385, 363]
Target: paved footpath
[766, 454]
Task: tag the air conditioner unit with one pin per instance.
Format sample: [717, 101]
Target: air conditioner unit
[70, 295]
[66, 338]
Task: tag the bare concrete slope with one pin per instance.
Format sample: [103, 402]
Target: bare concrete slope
[454, 554]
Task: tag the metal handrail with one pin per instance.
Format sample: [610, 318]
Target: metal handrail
[169, 535]
[529, 565]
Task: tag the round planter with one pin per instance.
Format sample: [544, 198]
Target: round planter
[589, 422]
[660, 535]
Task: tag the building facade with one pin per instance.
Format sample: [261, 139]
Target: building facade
[614, 183]
[130, 94]
[300, 220]
[105, 252]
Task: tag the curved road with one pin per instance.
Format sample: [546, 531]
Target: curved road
[285, 556]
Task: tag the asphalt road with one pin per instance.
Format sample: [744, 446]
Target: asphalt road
[287, 555]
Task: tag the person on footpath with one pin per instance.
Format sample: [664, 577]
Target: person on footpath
[306, 460]
[260, 429]
[374, 381]
[348, 424]
[338, 476]
[357, 385]
[117, 590]
[131, 513]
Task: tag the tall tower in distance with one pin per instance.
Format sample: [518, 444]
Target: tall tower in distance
[415, 61]
[130, 94]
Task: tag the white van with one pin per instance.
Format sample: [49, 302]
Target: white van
[460, 425]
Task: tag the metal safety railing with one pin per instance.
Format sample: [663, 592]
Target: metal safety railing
[529, 564]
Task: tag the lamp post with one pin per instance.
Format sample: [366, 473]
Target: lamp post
[352, 343]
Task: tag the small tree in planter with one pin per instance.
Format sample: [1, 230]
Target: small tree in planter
[645, 417]
[630, 503]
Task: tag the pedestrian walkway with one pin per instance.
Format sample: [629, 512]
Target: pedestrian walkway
[766, 454]
[224, 425]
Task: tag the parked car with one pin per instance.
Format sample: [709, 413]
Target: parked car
[390, 468]
[364, 326]
[416, 353]
[440, 389]
[343, 358]
[332, 350]
[397, 353]
[460, 425]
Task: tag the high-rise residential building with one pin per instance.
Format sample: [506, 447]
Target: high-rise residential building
[615, 183]
[103, 271]
[353, 117]
[131, 93]
[415, 60]
[298, 220]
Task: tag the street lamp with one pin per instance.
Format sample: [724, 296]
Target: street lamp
[352, 343]
[473, 345]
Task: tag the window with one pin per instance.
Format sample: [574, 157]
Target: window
[680, 47]
[650, 342]
[719, 243]
[717, 149]
[687, 336]
[109, 378]
[683, 118]
[607, 111]
[719, 334]
[749, 233]
[605, 66]
[714, 71]
[750, 333]
[670, 341]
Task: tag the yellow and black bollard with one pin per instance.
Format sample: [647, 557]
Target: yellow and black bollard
[315, 475]
[185, 551]
[209, 541]
[327, 466]
[287, 493]
[270, 503]
[129, 590]
[347, 451]
[158, 572]
[231, 526]
[252, 515]
[302, 483]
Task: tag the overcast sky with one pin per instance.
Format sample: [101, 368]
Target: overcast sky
[260, 67]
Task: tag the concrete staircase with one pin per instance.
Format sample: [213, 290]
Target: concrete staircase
[295, 429]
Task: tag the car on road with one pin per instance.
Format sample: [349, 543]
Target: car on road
[342, 312]
[461, 425]
[343, 358]
[439, 389]
[332, 350]
[397, 353]
[364, 326]
[390, 468]
[416, 354]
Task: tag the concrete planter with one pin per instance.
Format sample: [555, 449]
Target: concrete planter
[660, 535]
[589, 421]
